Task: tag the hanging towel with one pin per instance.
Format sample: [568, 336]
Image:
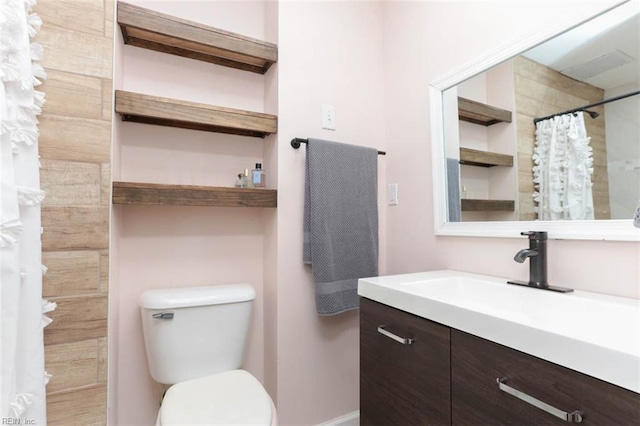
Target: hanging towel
[453, 189]
[340, 221]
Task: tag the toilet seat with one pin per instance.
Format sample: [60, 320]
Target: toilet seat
[230, 398]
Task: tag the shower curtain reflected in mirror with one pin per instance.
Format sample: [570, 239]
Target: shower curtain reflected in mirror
[22, 375]
[563, 168]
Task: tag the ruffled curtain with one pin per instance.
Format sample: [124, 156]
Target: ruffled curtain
[563, 166]
[22, 375]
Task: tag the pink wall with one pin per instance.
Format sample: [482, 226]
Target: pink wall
[416, 54]
[271, 219]
[330, 53]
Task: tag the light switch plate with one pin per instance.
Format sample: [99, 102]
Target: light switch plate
[392, 194]
[328, 117]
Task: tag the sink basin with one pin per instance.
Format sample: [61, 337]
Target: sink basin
[595, 334]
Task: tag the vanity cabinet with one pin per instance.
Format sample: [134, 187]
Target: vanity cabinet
[477, 364]
[403, 382]
[416, 384]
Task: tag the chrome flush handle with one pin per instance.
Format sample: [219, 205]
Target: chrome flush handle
[163, 315]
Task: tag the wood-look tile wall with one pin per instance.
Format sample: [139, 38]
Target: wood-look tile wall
[541, 91]
[75, 147]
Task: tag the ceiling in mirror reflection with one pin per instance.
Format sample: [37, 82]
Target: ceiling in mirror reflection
[602, 52]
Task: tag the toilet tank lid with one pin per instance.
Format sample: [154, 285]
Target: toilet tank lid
[196, 296]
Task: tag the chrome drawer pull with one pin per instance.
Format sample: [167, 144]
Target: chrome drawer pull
[574, 417]
[403, 340]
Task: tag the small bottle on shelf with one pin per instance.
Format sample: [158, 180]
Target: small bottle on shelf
[238, 183]
[258, 176]
[246, 179]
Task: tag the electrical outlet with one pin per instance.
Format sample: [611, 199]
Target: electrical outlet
[328, 117]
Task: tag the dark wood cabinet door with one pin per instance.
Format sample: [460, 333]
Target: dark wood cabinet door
[403, 384]
[476, 364]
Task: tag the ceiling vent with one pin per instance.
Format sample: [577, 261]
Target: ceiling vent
[597, 65]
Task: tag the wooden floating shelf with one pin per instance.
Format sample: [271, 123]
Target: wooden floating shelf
[479, 113]
[191, 115]
[469, 205]
[475, 157]
[164, 33]
[190, 195]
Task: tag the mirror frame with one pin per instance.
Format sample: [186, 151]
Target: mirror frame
[614, 230]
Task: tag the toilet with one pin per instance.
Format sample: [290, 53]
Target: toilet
[195, 340]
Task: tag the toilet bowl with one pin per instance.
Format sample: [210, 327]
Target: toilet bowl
[230, 398]
[195, 340]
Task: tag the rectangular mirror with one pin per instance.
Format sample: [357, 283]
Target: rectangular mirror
[543, 134]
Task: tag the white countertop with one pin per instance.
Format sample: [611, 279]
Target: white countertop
[592, 333]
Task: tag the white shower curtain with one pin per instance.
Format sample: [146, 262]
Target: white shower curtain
[563, 166]
[22, 375]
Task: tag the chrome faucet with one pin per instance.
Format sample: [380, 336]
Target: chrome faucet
[537, 255]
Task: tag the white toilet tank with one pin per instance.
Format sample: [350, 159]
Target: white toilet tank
[196, 331]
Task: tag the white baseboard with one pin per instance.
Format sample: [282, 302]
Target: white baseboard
[351, 419]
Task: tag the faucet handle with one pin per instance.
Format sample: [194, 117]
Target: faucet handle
[535, 235]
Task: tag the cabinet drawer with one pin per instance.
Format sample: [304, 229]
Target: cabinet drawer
[476, 365]
[403, 384]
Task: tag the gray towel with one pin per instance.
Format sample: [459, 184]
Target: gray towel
[453, 189]
[340, 221]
